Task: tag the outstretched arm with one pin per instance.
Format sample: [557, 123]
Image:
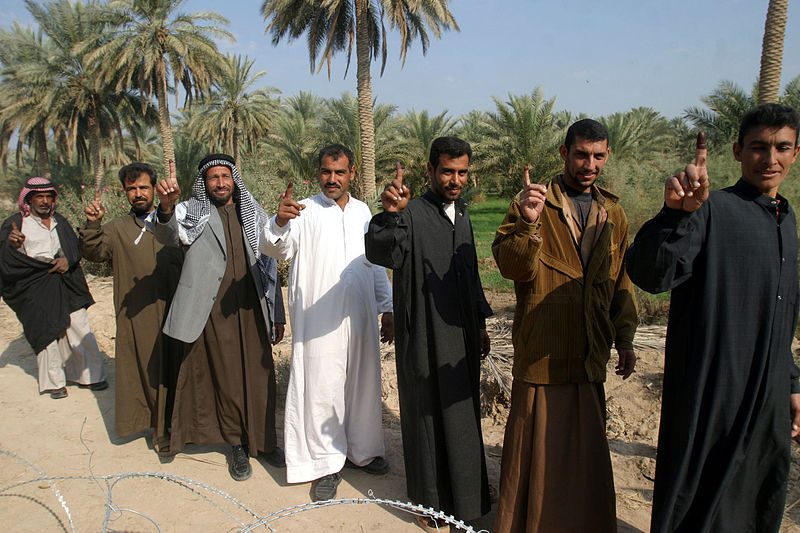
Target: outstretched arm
[664, 250]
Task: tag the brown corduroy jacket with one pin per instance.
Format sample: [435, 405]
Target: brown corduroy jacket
[572, 303]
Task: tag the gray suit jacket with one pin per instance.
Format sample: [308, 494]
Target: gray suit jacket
[203, 268]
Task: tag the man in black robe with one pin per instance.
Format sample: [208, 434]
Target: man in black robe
[730, 400]
[440, 326]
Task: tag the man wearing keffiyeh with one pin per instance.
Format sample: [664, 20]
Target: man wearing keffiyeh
[228, 309]
[43, 283]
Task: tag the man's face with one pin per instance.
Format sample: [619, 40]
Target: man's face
[41, 203]
[766, 155]
[334, 178]
[449, 177]
[583, 162]
[140, 194]
[219, 185]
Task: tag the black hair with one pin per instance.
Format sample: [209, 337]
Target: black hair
[452, 146]
[771, 115]
[586, 129]
[335, 151]
[131, 172]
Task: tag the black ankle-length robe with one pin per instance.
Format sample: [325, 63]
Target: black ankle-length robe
[724, 440]
[439, 308]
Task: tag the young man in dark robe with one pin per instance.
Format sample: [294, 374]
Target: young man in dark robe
[730, 399]
[228, 310]
[440, 333]
[145, 277]
[563, 245]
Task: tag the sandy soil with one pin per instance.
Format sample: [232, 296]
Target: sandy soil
[73, 440]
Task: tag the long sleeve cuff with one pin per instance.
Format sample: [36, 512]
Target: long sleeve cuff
[523, 227]
[672, 217]
[388, 219]
[163, 218]
[92, 224]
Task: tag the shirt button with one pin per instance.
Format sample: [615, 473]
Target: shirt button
[780, 297]
[783, 259]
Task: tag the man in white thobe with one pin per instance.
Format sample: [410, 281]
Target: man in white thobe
[333, 405]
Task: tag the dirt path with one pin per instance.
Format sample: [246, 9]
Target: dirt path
[74, 439]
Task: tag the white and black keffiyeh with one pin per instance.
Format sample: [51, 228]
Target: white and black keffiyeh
[251, 214]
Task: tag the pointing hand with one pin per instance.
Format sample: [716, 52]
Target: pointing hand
[688, 190]
[394, 197]
[168, 190]
[288, 208]
[532, 198]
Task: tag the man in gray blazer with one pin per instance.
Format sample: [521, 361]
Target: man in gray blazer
[228, 309]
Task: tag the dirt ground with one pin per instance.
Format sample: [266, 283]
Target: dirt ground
[62, 467]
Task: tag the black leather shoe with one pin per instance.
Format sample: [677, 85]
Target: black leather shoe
[325, 487]
[57, 394]
[100, 385]
[239, 464]
[377, 467]
[275, 458]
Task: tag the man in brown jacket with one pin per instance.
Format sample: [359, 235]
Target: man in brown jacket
[564, 245]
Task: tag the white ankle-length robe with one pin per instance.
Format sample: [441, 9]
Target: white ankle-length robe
[333, 405]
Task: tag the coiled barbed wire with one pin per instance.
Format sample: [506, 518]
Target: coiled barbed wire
[259, 520]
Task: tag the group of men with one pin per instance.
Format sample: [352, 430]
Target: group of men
[199, 306]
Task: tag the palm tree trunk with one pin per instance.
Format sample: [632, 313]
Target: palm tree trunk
[366, 176]
[769, 79]
[42, 156]
[235, 145]
[94, 150]
[163, 117]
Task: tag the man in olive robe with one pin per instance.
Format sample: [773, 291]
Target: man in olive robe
[145, 276]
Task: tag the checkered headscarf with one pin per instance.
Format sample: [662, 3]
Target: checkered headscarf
[33, 185]
[252, 215]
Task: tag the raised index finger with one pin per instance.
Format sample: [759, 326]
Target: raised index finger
[14, 226]
[173, 174]
[526, 176]
[289, 191]
[398, 172]
[701, 150]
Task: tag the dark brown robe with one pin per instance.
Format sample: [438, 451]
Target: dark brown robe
[145, 276]
[226, 384]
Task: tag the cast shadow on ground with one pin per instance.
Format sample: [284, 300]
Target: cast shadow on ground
[630, 449]
[19, 353]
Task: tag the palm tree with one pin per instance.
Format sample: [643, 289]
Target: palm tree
[769, 78]
[727, 104]
[791, 93]
[149, 43]
[24, 112]
[521, 131]
[90, 113]
[295, 138]
[340, 124]
[640, 133]
[234, 115]
[334, 26]
[416, 131]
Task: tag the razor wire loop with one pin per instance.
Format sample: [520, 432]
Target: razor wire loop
[111, 480]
